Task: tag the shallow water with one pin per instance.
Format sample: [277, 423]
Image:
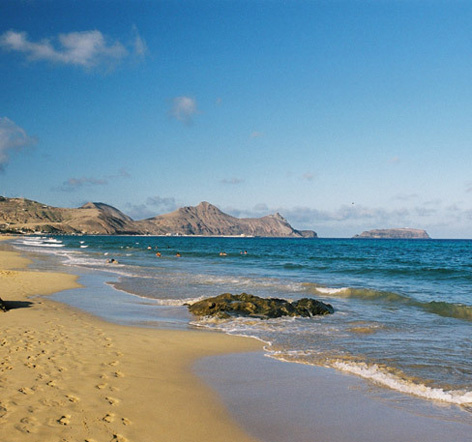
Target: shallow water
[279, 402]
[403, 309]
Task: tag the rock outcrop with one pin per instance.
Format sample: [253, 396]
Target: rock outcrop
[401, 233]
[19, 215]
[227, 305]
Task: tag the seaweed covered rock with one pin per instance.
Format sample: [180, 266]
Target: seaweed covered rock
[228, 305]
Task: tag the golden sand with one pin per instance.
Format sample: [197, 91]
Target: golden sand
[68, 376]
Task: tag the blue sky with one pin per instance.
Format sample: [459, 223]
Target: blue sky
[341, 115]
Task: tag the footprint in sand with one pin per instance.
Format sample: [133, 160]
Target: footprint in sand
[119, 438]
[25, 390]
[72, 398]
[27, 425]
[119, 374]
[109, 417]
[125, 421]
[101, 386]
[3, 410]
[64, 420]
[112, 401]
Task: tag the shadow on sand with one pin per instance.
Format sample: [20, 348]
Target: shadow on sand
[11, 305]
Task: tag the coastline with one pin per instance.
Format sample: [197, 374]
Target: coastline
[68, 375]
[81, 370]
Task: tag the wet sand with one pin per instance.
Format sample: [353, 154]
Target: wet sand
[285, 402]
[68, 376]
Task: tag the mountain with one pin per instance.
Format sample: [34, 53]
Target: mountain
[400, 233]
[206, 219]
[19, 215]
[26, 216]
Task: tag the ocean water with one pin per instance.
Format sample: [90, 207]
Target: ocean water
[403, 308]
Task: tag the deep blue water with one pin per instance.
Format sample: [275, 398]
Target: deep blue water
[403, 308]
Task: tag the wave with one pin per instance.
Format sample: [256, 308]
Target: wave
[441, 308]
[460, 311]
[383, 377]
[379, 374]
[40, 243]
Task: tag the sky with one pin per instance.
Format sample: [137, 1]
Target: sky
[343, 116]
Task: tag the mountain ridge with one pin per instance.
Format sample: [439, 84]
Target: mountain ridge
[20, 215]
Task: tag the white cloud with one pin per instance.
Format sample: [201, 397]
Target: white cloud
[12, 138]
[87, 49]
[183, 109]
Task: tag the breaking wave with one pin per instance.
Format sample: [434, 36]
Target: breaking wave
[383, 377]
[441, 308]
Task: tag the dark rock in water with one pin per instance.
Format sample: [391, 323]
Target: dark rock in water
[3, 307]
[228, 305]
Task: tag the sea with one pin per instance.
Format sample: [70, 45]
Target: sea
[402, 308]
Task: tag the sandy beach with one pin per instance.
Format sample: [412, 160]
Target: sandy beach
[68, 376]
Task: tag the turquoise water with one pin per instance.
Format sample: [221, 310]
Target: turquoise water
[403, 308]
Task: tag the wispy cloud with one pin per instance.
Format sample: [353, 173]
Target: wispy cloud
[308, 176]
[122, 173]
[86, 49]
[154, 205]
[232, 181]
[162, 204]
[256, 134]
[139, 45]
[74, 184]
[405, 197]
[184, 109]
[12, 138]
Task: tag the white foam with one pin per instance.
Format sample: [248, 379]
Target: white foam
[39, 243]
[376, 374]
[330, 291]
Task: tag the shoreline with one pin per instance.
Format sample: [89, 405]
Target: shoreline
[70, 376]
[192, 386]
[286, 402]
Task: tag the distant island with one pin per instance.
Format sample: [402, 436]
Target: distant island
[399, 233]
[23, 216]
